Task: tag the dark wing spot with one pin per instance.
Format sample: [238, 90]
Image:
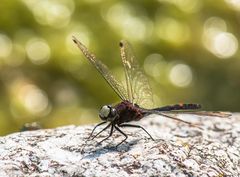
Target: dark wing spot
[121, 44]
[74, 40]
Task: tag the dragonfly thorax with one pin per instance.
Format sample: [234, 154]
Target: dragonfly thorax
[107, 113]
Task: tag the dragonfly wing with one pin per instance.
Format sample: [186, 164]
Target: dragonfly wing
[104, 71]
[138, 88]
[203, 113]
[213, 113]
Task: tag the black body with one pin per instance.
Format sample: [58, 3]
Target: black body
[127, 112]
[131, 112]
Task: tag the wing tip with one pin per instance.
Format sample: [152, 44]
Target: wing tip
[121, 43]
[74, 39]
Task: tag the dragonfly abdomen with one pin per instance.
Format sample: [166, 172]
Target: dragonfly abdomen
[178, 107]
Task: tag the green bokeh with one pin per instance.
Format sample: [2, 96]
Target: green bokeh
[45, 78]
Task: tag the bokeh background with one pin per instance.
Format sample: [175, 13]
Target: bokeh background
[189, 49]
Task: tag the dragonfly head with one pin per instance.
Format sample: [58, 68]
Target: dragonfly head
[107, 113]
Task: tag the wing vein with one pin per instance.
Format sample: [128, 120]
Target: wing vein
[103, 70]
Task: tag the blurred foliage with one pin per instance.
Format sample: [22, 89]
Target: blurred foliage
[188, 48]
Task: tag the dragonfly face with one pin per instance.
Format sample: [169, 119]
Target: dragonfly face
[108, 113]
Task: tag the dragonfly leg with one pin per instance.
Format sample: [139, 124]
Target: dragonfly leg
[110, 134]
[136, 126]
[118, 129]
[95, 128]
[101, 131]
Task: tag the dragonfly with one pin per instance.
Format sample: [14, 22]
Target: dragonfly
[135, 97]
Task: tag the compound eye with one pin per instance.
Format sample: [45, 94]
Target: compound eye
[105, 112]
[113, 113]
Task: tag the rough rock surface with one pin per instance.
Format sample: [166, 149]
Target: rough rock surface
[178, 149]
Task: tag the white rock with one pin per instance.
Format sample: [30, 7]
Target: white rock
[178, 150]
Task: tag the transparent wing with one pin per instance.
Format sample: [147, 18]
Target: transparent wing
[104, 71]
[212, 113]
[138, 88]
[174, 115]
[203, 113]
